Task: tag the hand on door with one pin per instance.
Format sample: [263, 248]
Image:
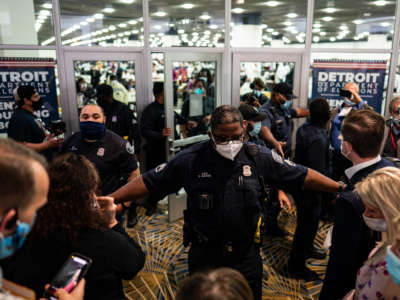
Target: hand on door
[166, 132]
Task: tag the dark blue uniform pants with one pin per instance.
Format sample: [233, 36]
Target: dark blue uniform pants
[308, 206]
[202, 258]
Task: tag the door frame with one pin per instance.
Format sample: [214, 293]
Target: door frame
[69, 107]
[177, 202]
[239, 57]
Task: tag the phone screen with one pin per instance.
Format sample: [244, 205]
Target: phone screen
[345, 93]
[69, 275]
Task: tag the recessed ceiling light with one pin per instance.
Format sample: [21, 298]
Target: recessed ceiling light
[90, 20]
[122, 25]
[135, 31]
[160, 14]
[42, 17]
[287, 23]
[108, 10]
[270, 30]
[47, 5]
[330, 10]
[322, 33]
[275, 33]
[332, 39]
[187, 5]
[343, 27]
[132, 22]
[263, 26]
[367, 14]
[205, 17]
[238, 10]
[291, 15]
[272, 3]
[381, 3]
[181, 31]
[213, 26]
[315, 30]
[83, 23]
[315, 39]
[358, 22]
[157, 27]
[127, 1]
[385, 24]
[317, 25]
[98, 16]
[112, 28]
[327, 19]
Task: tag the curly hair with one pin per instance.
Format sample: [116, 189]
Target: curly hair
[70, 207]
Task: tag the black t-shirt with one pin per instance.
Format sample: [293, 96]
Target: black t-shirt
[120, 119]
[24, 127]
[113, 157]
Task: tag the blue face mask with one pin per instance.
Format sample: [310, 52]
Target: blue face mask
[256, 129]
[198, 91]
[348, 102]
[396, 121]
[286, 105]
[204, 79]
[10, 244]
[393, 265]
[257, 93]
[92, 130]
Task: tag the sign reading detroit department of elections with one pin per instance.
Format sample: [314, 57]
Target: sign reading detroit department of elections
[36, 72]
[329, 76]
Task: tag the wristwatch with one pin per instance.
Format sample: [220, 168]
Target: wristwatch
[341, 187]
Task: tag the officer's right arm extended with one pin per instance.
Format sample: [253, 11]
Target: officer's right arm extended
[317, 182]
[131, 191]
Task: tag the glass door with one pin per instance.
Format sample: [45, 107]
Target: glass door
[192, 91]
[86, 71]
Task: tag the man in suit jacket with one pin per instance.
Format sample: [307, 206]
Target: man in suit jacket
[362, 136]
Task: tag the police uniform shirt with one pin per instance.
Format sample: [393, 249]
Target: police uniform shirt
[24, 127]
[113, 157]
[280, 122]
[223, 194]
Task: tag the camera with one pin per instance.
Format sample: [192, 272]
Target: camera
[57, 127]
[345, 93]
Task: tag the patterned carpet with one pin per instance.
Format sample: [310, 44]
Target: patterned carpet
[166, 261]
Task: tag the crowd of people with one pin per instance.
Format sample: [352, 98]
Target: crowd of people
[70, 195]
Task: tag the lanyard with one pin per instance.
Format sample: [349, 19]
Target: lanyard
[393, 142]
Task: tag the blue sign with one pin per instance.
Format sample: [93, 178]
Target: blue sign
[38, 73]
[329, 76]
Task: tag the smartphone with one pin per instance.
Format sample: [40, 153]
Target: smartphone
[73, 270]
[345, 93]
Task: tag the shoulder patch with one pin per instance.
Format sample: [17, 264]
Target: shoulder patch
[276, 157]
[290, 163]
[160, 167]
[130, 148]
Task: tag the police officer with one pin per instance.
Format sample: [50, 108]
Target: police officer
[113, 157]
[252, 122]
[119, 118]
[312, 150]
[277, 128]
[258, 87]
[277, 131]
[25, 127]
[152, 128]
[222, 179]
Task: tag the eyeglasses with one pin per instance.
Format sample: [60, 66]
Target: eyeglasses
[221, 140]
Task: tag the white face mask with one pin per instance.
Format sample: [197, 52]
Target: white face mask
[230, 150]
[342, 151]
[376, 224]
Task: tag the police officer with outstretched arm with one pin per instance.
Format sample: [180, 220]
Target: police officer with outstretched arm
[224, 179]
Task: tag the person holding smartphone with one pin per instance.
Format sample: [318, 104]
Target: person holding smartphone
[75, 220]
[351, 101]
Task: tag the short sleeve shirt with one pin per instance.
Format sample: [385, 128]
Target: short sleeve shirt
[113, 157]
[25, 127]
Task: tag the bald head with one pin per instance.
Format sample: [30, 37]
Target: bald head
[92, 112]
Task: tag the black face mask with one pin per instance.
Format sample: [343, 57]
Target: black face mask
[37, 104]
